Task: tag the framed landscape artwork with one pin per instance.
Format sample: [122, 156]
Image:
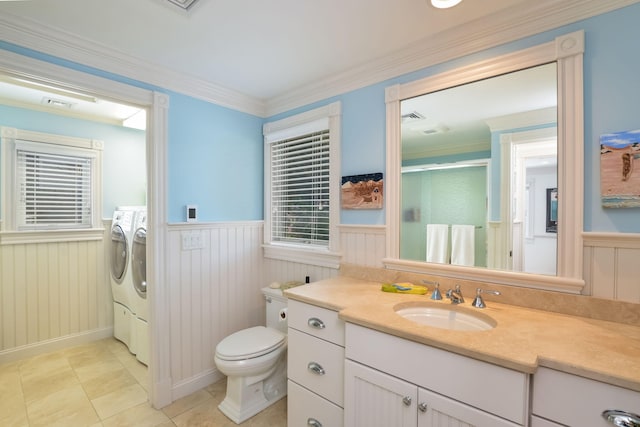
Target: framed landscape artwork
[362, 191]
[619, 182]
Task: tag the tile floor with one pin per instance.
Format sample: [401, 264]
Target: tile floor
[102, 384]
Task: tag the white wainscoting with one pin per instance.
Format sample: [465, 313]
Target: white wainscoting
[363, 244]
[53, 295]
[214, 275]
[612, 265]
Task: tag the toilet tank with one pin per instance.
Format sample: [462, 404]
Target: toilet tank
[276, 303]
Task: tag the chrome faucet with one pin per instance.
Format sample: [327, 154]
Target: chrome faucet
[455, 295]
[435, 295]
[478, 302]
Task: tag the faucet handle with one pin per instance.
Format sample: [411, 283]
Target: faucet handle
[478, 302]
[435, 295]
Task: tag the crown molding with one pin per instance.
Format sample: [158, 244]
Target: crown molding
[520, 21]
[36, 36]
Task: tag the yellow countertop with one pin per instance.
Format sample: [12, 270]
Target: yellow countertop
[523, 338]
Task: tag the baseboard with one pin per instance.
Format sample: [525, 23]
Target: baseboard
[195, 383]
[55, 344]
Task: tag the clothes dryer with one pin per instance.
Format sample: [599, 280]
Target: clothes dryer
[121, 282]
[139, 277]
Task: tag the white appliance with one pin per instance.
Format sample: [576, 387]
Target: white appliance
[121, 282]
[255, 362]
[139, 276]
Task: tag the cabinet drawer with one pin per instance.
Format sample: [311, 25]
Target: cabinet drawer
[317, 365]
[541, 422]
[303, 407]
[576, 401]
[317, 321]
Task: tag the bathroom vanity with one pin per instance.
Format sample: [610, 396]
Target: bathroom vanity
[370, 366]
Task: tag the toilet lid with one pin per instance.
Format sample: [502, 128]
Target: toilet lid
[249, 343]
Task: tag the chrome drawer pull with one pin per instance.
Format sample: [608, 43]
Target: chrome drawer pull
[621, 418]
[406, 400]
[314, 322]
[313, 422]
[315, 368]
[423, 407]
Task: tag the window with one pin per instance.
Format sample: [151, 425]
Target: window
[50, 182]
[301, 186]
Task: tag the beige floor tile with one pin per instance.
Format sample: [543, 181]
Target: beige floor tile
[119, 400]
[99, 367]
[218, 389]
[43, 365]
[188, 402]
[67, 407]
[13, 414]
[37, 387]
[204, 415]
[139, 371]
[108, 382]
[139, 416]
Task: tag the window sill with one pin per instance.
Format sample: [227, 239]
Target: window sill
[50, 236]
[317, 257]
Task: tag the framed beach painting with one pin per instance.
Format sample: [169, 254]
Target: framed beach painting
[619, 182]
[362, 191]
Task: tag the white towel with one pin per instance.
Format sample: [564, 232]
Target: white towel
[437, 243]
[463, 244]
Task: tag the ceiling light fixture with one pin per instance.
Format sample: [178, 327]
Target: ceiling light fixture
[184, 4]
[444, 4]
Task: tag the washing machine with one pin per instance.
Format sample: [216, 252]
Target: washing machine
[139, 277]
[121, 281]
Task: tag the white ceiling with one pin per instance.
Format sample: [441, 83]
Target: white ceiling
[261, 48]
[267, 49]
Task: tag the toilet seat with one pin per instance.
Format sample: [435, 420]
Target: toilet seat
[250, 343]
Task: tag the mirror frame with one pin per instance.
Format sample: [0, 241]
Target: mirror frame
[567, 51]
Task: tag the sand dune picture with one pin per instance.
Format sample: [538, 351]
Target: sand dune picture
[619, 180]
[362, 191]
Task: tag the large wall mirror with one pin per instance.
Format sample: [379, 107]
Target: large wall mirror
[484, 170]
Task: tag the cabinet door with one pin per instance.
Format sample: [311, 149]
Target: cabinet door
[375, 399]
[435, 410]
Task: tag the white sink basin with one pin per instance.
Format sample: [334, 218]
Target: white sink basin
[445, 318]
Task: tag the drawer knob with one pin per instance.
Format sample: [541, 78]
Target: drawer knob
[621, 418]
[315, 368]
[406, 400]
[316, 323]
[422, 407]
[313, 422]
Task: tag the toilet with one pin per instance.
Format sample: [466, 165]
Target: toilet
[255, 362]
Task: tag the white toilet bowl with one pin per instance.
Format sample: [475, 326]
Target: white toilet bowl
[255, 363]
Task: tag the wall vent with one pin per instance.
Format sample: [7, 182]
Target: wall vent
[184, 4]
[411, 117]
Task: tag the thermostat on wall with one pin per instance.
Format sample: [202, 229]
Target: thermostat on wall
[192, 213]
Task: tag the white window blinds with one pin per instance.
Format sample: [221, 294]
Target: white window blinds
[54, 190]
[300, 189]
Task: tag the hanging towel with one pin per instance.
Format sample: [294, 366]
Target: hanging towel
[463, 244]
[437, 243]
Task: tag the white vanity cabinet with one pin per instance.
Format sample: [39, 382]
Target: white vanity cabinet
[390, 381]
[315, 366]
[562, 399]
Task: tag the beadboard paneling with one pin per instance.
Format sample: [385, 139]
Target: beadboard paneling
[363, 244]
[611, 267]
[215, 291]
[51, 291]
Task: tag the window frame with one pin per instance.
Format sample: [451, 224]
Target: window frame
[11, 140]
[327, 117]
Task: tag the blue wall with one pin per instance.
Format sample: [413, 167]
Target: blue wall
[215, 154]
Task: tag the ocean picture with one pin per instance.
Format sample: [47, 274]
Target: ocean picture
[619, 182]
